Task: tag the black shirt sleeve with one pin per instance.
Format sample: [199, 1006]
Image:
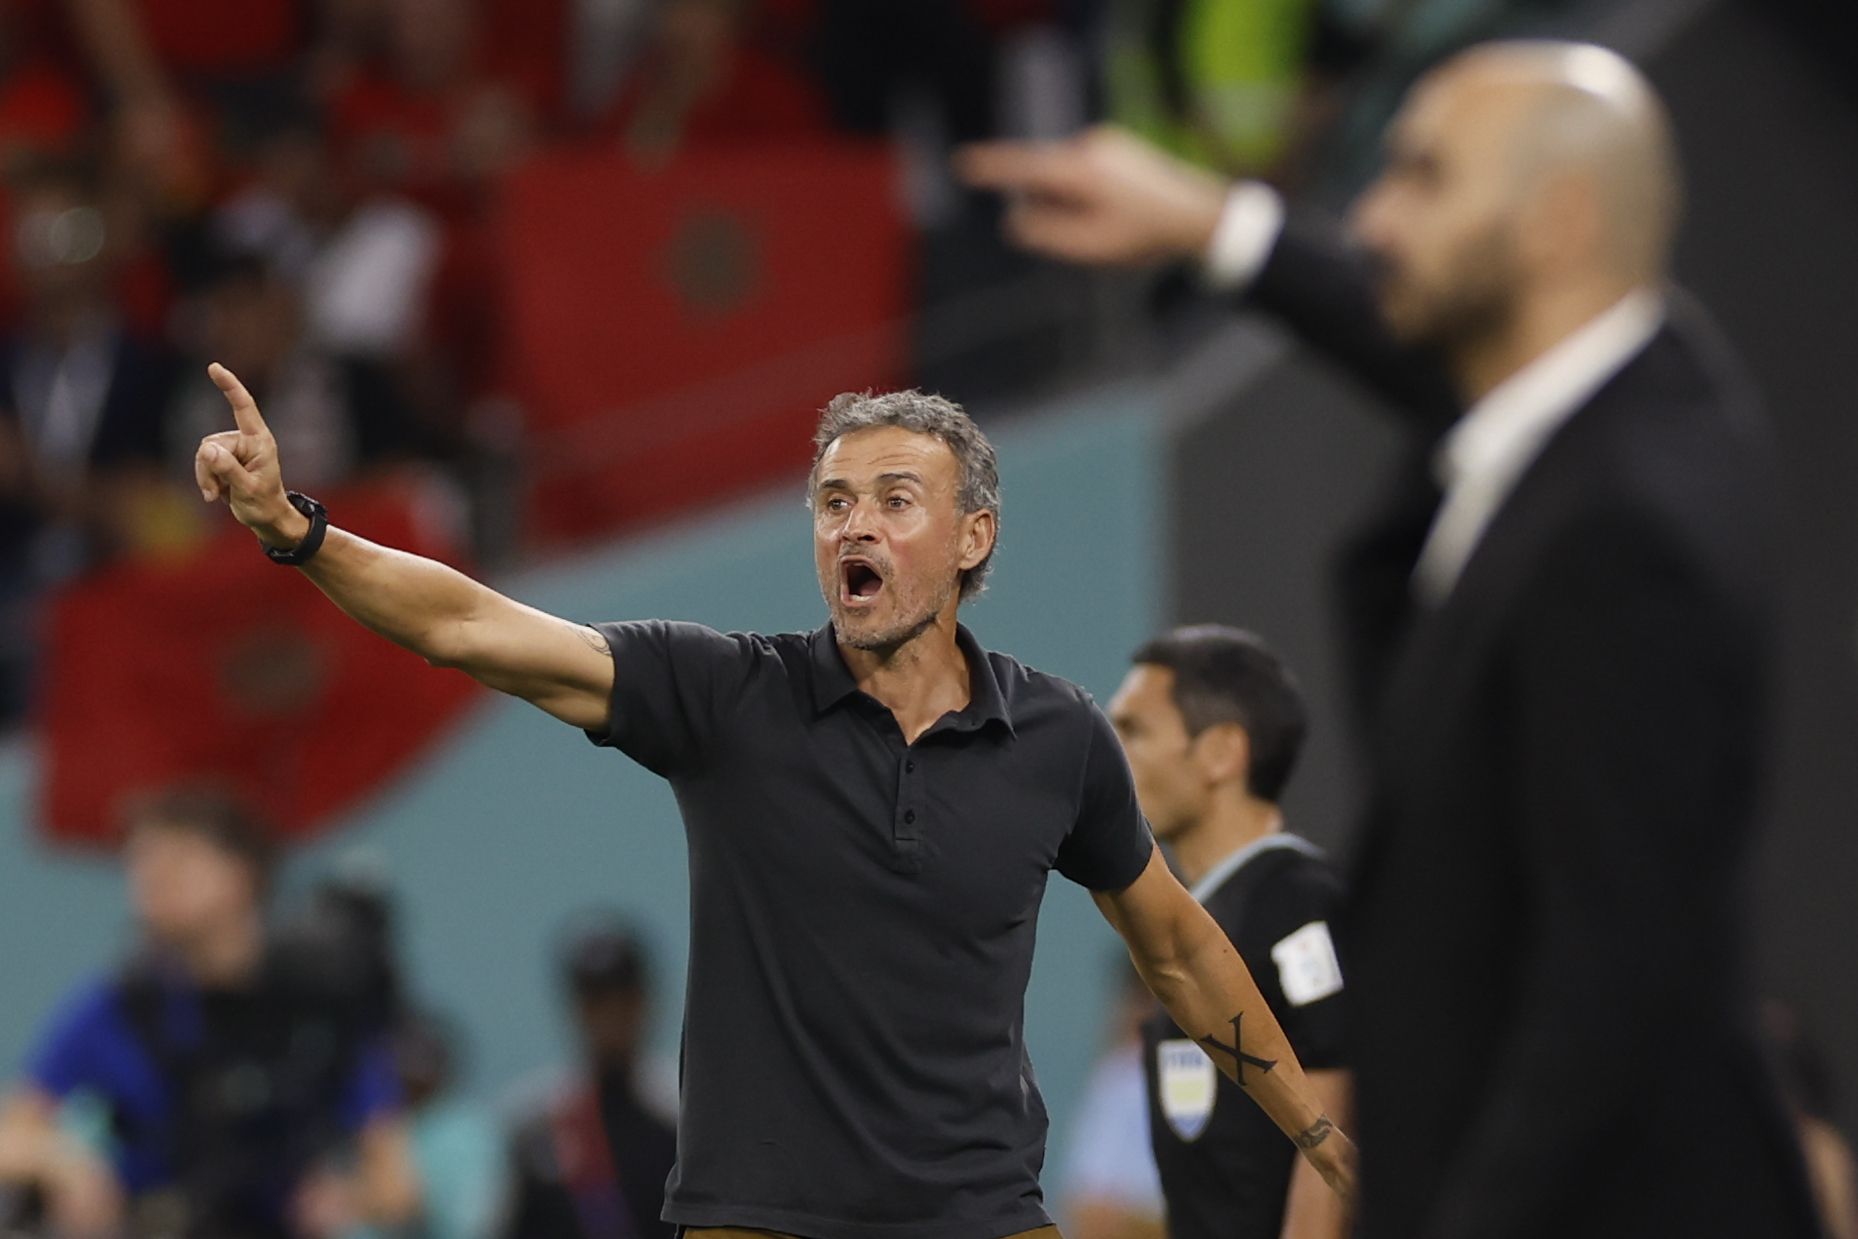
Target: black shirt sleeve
[672, 683]
[1285, 941]
[1110, 844]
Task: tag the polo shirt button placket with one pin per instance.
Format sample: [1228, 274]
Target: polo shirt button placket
[906, 845]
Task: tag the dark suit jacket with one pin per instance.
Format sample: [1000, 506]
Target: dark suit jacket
[1544, 941]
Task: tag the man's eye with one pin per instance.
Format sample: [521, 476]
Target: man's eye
[835, 505]
[899, 501]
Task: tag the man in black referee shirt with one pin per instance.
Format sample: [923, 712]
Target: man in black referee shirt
[872, 810]
[1212, 721]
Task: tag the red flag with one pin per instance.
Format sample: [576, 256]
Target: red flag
[227, 668]
[674, 331]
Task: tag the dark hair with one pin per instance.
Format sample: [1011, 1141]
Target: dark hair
[216, 816]
[925, 414]
[600, 953]
[1227, 675]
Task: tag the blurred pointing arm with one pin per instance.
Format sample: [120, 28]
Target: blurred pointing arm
[1107, 198]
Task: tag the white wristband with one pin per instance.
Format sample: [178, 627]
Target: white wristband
[1248, 228]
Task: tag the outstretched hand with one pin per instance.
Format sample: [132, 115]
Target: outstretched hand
[241, 467]
[1102, 197]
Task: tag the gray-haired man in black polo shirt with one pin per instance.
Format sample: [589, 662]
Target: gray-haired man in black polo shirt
[873, 810]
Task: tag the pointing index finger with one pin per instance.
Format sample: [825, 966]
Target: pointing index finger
[244, 408]
[1010, 166]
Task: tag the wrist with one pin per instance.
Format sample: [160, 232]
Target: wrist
[284, 533]
[1249, 222]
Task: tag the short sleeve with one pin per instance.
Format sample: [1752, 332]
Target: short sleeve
[1110, 844]
[672, 683]
[1288, 938]
[373, 1087]
[65, 1058]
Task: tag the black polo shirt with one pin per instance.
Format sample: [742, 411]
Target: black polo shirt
[862, 922]
[1225, 1167]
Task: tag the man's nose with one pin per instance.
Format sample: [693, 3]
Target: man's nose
[860, 524]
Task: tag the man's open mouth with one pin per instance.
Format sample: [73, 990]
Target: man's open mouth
[859, 582]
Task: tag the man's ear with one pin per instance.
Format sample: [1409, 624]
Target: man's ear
[979, 529]
[1224, 753]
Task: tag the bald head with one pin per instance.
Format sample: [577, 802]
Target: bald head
[1581, 112]
[1528, 186]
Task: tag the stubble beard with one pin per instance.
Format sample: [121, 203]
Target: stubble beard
[887, 641]
[1463, 317]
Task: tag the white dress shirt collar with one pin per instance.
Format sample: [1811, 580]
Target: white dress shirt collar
[1483, 456]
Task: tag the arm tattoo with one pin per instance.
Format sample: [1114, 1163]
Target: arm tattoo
[595, 639]
[1314, 1134]
[1239, 1057]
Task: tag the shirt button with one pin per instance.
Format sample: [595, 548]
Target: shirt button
[909, 767]
[909, 816]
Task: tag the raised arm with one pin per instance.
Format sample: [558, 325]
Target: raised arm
[440, 614]
[1107, 198]
[1190, 964]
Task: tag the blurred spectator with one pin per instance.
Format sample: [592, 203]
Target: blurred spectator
[79, 391]
[42, 108]
[456, 1149]
[79, 399]
[701, 80]
[365, 267]
[1806, 1078]
[591, 1160]
[1239, 86]
[1111, 1189]
[237, 1080]
[437, 116]
[338, 414]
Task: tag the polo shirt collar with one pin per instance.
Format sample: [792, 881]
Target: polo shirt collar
[833, 682]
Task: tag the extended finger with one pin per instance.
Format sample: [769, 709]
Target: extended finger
[1055, 232]
[1018, 167]
[244, 408]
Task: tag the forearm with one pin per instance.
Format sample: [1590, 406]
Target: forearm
[413, 601]
[1311, 1210]
[1210, 993]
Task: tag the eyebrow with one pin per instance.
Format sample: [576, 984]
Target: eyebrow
[883, 479]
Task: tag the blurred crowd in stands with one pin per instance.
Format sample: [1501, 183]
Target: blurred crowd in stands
[307, 190]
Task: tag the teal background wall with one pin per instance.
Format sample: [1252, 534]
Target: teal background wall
[517, 821]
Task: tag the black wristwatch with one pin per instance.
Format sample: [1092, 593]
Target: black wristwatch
[298, 555]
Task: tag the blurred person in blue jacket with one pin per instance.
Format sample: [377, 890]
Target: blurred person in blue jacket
[243, 1087]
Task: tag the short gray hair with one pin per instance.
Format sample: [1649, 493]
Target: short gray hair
[923, 414]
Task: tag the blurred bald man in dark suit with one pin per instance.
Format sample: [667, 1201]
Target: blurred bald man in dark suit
[1559, 629]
